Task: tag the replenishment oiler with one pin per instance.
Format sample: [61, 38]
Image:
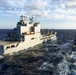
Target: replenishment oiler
[26, 34]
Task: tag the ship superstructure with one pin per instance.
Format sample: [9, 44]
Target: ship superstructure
[26, 34]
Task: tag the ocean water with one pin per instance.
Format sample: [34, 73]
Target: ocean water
[3, 33]
[65, 35]
[51, 62]
[62, 35]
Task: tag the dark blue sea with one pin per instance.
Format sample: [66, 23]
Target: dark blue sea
[63, 35]
[59, 62]
[3, 33]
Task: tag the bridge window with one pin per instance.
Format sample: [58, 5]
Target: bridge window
[12, 46]
[32, 38]
[7, 47]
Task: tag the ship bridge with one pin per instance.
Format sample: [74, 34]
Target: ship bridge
[24, 27]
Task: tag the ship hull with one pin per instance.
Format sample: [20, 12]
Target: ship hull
[19, 46]
[23, 45]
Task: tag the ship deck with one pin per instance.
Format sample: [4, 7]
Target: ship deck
[3, 43]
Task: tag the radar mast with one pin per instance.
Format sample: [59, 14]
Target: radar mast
[32, 20]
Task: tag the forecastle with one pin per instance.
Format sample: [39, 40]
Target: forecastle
[25, 35]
